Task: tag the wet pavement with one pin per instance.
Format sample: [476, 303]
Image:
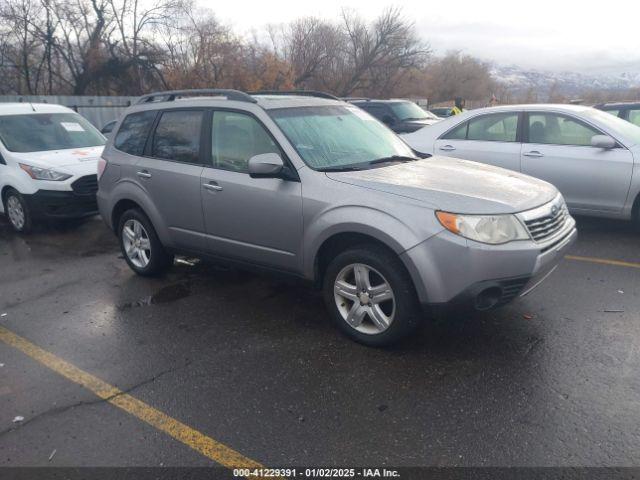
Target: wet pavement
[253, 362]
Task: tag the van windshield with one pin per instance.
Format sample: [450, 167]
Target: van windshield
[339, 137]
[39, 132]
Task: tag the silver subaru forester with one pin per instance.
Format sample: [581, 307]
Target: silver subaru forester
[308, 185]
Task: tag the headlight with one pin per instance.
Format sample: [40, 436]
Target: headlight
[493, 229]
[38, 173]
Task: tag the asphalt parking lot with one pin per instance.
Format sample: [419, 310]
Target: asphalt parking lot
[246, 365]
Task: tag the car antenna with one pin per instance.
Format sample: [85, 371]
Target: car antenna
[32, 107]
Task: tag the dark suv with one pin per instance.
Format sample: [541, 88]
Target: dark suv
[401, 116]
[629, 111]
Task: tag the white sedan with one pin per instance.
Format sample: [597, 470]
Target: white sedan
[587, 154]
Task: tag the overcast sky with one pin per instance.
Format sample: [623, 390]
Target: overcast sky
[570, 35]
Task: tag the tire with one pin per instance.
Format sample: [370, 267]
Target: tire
[17, 211]
[135, 232]
[387, 312]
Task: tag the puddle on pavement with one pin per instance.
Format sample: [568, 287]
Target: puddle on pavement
[167, 294]
[86, 239]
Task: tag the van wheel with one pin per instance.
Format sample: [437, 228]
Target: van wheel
[17, 211]
[371, 296]
[140, 244]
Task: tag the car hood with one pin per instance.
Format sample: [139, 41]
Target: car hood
[60, 158]
[454, 185]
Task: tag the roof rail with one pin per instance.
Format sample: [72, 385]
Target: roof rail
[304, 93]
[356, 99]
[170, 95]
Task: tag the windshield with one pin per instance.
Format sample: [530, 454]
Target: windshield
[408, 111]
[336, 137]
[617, 125]
[39, 132]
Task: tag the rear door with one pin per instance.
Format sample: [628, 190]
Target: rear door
[258, 220]
[558, 149]
[170, 172]
[491, 138]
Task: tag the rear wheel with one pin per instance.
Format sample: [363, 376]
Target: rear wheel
[140, 244]
[17, 211]
[371, 296]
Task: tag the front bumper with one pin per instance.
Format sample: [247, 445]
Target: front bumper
[451, 273]
[57, 204]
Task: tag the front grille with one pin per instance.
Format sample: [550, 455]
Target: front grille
[86, 185]
[548, 225]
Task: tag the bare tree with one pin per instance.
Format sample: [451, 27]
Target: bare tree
[309, 46]
[458, 75]
[379, 50]
[133, 43]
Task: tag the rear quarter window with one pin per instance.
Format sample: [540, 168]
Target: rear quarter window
[133, 133]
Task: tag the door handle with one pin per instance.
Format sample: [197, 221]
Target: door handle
[447, 148]
[143, 174]
[534, 153]
[212, 186]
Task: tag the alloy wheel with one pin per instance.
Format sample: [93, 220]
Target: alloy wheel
[364, 299]
[137, 245]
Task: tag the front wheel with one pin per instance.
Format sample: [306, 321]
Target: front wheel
[17, 211]
[140, 244]
[371, 296]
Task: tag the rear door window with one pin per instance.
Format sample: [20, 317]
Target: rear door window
[497, 127]
[133, 133]
[458, 133]
[177, 136]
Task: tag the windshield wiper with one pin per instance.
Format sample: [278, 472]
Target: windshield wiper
[347, 168]
[410, 119]
[393, 158]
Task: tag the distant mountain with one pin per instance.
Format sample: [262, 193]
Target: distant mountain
[570, 84]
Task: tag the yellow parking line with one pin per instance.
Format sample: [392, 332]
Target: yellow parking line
[603, 261]
[207, 446]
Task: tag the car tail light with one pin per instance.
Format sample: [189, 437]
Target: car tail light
[102, 165]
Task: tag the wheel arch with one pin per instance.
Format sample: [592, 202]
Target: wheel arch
[131, 197]
[339, 242]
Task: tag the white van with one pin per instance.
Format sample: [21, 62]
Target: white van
[48, 164]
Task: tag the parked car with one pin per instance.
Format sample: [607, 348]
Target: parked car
[48, 162]
[441, 112]
[588, 154]
[401, 116]
[108, 128]
[629, 111]
[313, 187]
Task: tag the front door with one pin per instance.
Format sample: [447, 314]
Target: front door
[251, 219]
[558, 149]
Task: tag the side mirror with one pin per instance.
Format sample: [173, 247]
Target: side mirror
[388, 120]
[265, 165]
[603, 141]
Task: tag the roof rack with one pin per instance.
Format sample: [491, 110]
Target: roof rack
[170, 95]
[356, 99]
[304, 93]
